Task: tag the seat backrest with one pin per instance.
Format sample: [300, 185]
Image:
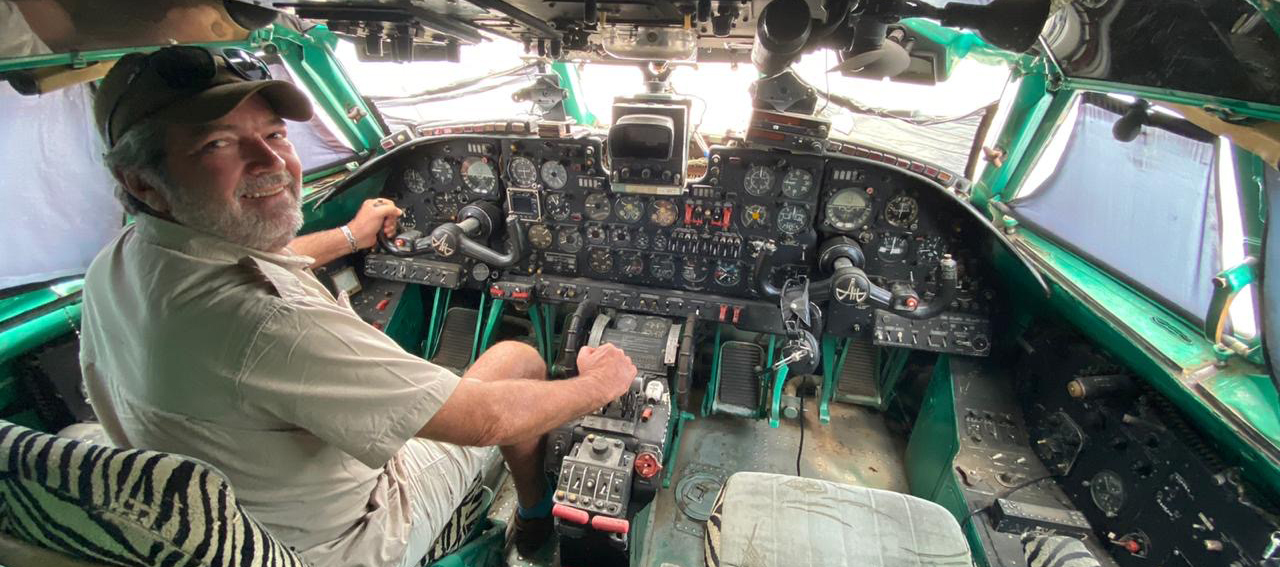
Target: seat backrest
[126, 507]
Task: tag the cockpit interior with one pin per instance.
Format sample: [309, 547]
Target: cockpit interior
[907, 336]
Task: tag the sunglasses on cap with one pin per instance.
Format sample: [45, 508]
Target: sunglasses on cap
[190, 68]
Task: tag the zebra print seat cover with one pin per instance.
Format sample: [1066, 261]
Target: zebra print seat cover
[140, 508]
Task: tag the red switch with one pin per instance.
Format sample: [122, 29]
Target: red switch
[1132, 546]
[646, 413]
[607, 524]
[570, 514]
[382, 305]
[737, 313]
[724, 310]
[495, 291]
[520, 295]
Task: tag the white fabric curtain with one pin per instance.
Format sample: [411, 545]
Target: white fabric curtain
[57, 207]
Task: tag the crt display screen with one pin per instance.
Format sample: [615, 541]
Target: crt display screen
[641, 141]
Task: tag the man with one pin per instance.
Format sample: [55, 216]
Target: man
[205, 334]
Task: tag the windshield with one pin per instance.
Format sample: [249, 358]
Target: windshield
[934, 123]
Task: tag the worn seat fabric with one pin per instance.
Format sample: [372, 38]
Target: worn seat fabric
[766, 520]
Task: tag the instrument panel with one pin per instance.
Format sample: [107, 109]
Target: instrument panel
[706, 240]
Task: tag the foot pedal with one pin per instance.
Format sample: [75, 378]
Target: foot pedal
[858, 381]
[739, 387]
[456, 337]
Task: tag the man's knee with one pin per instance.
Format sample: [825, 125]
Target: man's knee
[521, 360]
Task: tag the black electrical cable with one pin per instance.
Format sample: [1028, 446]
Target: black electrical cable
[800, 451]
[1004, 494]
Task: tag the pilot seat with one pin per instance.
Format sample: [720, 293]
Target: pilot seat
[74, 503]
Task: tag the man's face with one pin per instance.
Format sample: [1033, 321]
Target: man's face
[236, 177]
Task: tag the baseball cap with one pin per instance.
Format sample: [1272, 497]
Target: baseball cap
[188, 85]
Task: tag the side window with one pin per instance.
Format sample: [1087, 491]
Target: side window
[57, 202]
[1147, 210]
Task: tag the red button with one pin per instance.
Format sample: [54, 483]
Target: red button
[382, 305]
[1132, 546]
[646, 414]
[520, 295]
[737, 313]
[724, 310]
[570, 514]
[912, 302]
[495, 291]
[607, 524]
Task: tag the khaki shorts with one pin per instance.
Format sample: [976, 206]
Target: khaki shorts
[439, 476]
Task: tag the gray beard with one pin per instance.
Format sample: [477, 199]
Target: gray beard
[265, 230]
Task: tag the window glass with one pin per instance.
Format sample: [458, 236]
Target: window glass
[1145, 210]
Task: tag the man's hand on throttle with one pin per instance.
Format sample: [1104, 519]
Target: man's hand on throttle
[612, 366]
[374, 215]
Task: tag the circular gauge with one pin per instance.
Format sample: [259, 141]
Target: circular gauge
[662, 267]
[596, 234]
[793, 218]
[663, 212]
[554, 174]
[797, 183]
[629, 208]
[627, 323]
[632, 264]
[600, 260]
[660, 241]
[557, 206]
[597, 206]
[480, 271]
[540, 236]
[755, 216]
[414, 182]
[442, 170]
[931, 250]
[478, 176]
[640, 240]
[759, 180]
[655, 326]
[848, 209]
[694, 270]
[901, 211]
[727, 273]
[569, 239]
[1107, 490]
[523, 172]
[447, 204]
[892, 249]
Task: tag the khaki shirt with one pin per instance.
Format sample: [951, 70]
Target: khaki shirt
[241, 358]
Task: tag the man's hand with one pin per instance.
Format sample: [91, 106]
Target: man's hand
[374, 215]
[608, 364]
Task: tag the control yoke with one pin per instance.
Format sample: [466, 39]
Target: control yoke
[849, 284]
[475, 222]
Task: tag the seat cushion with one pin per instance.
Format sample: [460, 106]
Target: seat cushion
[762, 520]
[125, 507]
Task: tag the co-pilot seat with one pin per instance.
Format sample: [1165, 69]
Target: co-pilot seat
[768, 520]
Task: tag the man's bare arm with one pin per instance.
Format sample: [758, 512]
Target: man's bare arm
[503, 412]
[328, 245]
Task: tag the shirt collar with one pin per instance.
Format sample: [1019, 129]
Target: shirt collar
[181, 238]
